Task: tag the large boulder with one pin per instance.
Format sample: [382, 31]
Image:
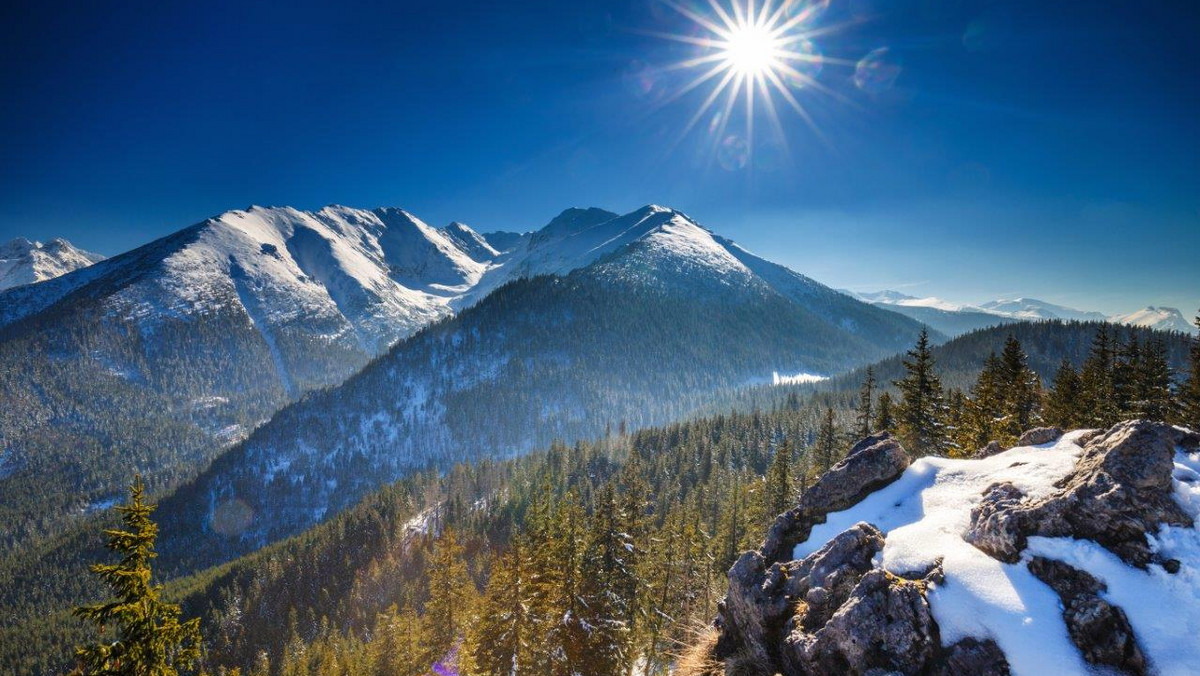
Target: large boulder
[1119, 491]
[871, 464]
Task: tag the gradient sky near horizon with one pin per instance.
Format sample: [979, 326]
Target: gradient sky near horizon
[1045, 149]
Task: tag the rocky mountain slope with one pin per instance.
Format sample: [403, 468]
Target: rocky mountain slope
[1057, 556]
[665, 316]
[25, 262]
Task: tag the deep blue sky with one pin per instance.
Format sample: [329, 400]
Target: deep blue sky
[1048, 149]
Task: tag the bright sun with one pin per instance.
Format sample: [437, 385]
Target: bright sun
[750, 51]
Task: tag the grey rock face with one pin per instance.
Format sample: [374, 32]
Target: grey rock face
[1099, 629]
[871, 464]
[1040, 435]
[1119, 491]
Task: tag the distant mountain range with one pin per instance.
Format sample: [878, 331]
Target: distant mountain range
[26, 262]
[160, 358]
[957, 318]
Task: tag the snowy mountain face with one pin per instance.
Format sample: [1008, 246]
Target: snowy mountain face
[205, 333]
[470, 242]
[1161, 318]
[25, 262]
[658, 317]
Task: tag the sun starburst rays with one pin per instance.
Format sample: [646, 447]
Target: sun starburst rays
[750, 52]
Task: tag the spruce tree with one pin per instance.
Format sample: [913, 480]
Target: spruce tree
[1099, 400]
[451, 593]
[1154, 399]
[866, 396]
[920, 417]
[400, 647]
[956, 419]
[605, 572]
[499, 642]
[983, 412]
[777, 493]
[142, 634]
[825, 450]
[1021, 391]
[1188, 407]
[1127, 377]
[885, 420]
[1063, 402]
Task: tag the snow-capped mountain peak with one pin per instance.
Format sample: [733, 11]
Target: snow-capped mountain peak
[1162, 318]
[1032, 308]
[23, 261]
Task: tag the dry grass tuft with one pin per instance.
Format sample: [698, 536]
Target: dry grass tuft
[697, 659]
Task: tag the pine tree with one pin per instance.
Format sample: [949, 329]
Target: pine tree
[866, 395]
[1063, 402]
[920, 417]
[451, 593]
[885, 420]
[1188, 408]
[825, 451]
[149, 638]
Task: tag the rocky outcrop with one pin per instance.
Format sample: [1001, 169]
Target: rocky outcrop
[835, 612]
[1040, 435]
[1119, 491]
[871, 464]
[1099, 629]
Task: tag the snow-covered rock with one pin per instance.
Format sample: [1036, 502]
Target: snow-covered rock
[1068, 557]
[26, 262]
